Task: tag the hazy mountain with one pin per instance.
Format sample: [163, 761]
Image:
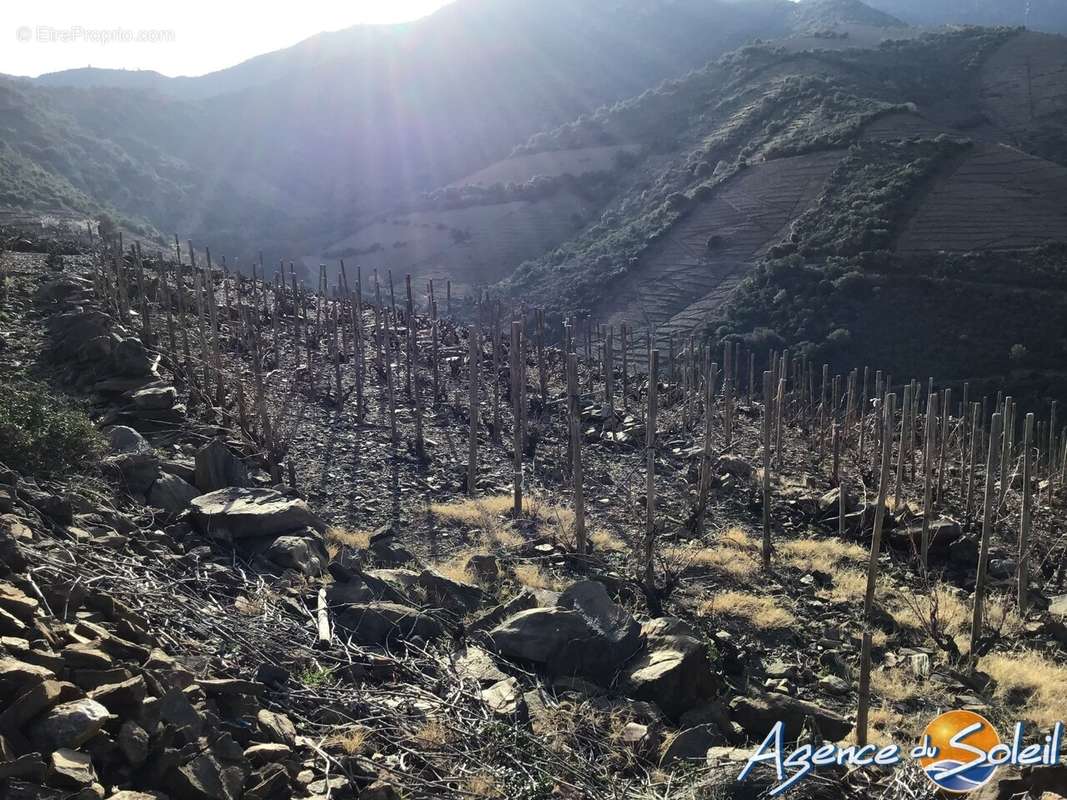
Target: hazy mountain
[1039, 15]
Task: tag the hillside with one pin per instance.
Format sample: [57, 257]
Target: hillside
[305, 149]
[739, 160]
[1038, 15]
[260, 561]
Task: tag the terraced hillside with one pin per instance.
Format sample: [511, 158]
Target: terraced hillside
[770, 177]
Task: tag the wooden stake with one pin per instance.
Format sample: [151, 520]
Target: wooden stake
[862, 712]
[768, 413]
[1024, 519]
[516, 411]
[472, 455]
[650, 468]
[928, 479]
[995, 444]
[575, 425]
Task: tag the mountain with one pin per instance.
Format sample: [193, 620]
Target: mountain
[1039, 15]
[307, 140]
[857, 205]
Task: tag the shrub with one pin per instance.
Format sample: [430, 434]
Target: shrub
[43, 435]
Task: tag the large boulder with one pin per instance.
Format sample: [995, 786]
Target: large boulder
[155, 398]
[305, 554]
[378, 622]
[125, 440]
[450, 594]
[130, 357]
[240, 513]
[585, 634]
[69, 724]
[218, 468]
[758, 714]
[171, 493]
[674, 672]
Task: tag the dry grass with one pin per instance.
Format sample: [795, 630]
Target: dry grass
[357, 540]
[735, 554]
[455, 567]
[433, 733]
[606, 542]
[897, 685]
[484, 513]
[482, 785]
[1029, 683]
[534, 577]
[762, 612]
[824, 555]
[353, 740]
[942, 609]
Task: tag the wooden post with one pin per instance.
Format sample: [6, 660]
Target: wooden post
[995, 430]
[902, 452]
[976, 438]
[706, 465]
[472, 455]
[624, 332]
[928, 478]
[728, 392]
[835, 447]
[609, 371]
[862, 712]
[1051, 476]
[1005, 450]
[779, 424]
[945, 430]
[575, 425]
[542, 367]
[516, 411]
[1024, 519]
[497, 343]
[416, 392]
[650, 468]
[390, 380]
[768, 413]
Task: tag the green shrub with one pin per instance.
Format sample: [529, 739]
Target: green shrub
[42, 435]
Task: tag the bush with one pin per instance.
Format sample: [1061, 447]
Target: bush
[42, 435]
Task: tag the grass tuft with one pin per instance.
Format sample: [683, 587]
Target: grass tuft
[762, 612]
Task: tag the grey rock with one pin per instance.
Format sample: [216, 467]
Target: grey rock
[305, 554]
[124, 439]
[758, 714]
[69, 724]
[379, 622]
[240, 512]
[218, 468]
[155, 398]
[452, 595]
[504, 698]
[674, 672]
[131, 358]
[171, 493]
[692, 744]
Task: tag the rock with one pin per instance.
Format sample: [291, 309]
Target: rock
[585, 635]
[729, 464]
[218, 468]
[484, 567]
[943, 532]
[130, 357]
[125, 441]
[121, 698]
[260, 754]
[69, 724]
[691, 744]
[1057, 606]
[379, 622]
[504, 698]
[830, 503]
[832, 684]
[239, 513]
[380, 790]
[305, 554]
[204, 778]
[276, 727]
[490, 619]
[36, 700]
[12, 533]
[72, 769]
[636, 736]
[364, 588]
[477, 665]
[126, 794]
[17, 677]
[674, 672]
[757, 715]
[155, 398]
[133, 742]
[452, 595]
[171, 493]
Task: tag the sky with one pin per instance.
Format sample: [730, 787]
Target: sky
[188, 37]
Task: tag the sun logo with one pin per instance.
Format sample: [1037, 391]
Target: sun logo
[958, 745]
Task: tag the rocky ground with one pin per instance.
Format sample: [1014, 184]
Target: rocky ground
[177, 624]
